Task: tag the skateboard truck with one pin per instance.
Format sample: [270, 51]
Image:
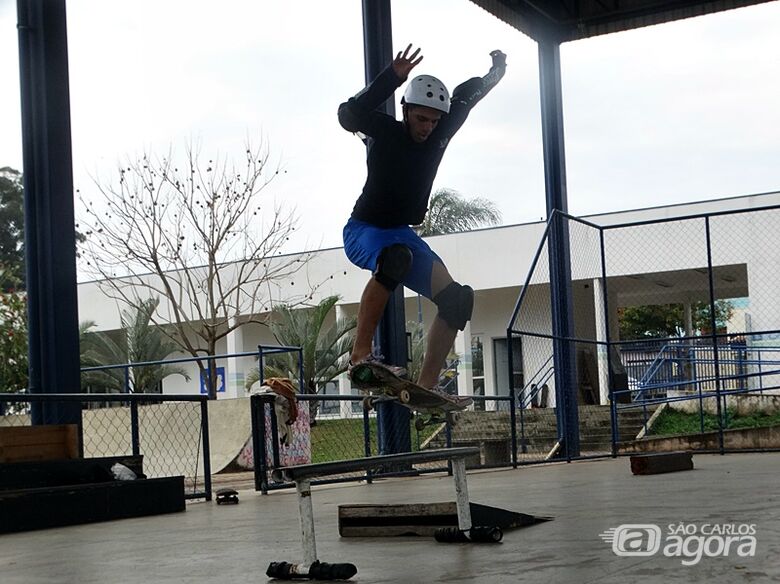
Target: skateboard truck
[371, 401]
[433, 419]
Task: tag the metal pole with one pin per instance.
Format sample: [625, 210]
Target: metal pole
[275, 435]
[301, 373]
[393, 420]
[560, 269]
[260, 365]
[367, 441]
[134, 433]
[50, 240]
[512, 398]
[204, 428]
[713, 325]
[608, 338]
[257, 412]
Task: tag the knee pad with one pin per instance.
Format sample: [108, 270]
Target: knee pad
[456, 303]
[392, 265]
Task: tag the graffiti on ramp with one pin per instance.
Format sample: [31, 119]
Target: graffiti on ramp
[298, 451]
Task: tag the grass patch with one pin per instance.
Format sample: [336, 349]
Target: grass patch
[343, 439]
[671, 422]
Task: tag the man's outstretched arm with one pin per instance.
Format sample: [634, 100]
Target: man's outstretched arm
[359, 114]
[467, 94]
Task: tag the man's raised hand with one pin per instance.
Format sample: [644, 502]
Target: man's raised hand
[499, 58]
[404, 63]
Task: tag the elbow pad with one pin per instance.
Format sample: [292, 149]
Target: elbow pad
[347, 117]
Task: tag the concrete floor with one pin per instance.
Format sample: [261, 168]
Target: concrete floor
[234, 544]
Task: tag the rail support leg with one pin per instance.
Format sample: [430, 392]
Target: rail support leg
[311, 568]
[466, 532]
[306, 514]
[461, 494]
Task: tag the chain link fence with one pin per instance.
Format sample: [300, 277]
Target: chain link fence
[170, 432]
[673, 335]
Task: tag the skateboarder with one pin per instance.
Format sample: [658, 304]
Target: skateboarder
[403, 158]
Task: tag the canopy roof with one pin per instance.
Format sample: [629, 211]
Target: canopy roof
[569, 20]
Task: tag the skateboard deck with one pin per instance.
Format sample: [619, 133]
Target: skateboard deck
[380, 382]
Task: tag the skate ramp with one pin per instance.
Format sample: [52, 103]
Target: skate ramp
[230, 431]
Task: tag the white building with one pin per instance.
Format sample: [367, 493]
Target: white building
[655, 263]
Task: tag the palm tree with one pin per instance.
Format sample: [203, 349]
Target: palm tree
[449, 212]
[143, 343]
[325, 352]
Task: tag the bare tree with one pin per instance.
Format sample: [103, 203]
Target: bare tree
[197, 235]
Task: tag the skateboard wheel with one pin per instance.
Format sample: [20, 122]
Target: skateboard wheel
[404, 397]
[368, 403]
[486, 534]
[419, 424]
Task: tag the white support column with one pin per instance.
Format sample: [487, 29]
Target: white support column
[688, 325]
[345, 387]
[463, 349]
[688, 318]
[306, 514]
[601, 336]
[461, 494]
[234, 373]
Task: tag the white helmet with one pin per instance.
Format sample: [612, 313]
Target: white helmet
[428, 91]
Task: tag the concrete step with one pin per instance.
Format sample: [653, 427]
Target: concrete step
[539, 427]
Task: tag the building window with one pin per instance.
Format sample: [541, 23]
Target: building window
[478, 369]
[501, 365]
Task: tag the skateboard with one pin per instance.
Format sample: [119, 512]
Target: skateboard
[227, 497]
[381, 384]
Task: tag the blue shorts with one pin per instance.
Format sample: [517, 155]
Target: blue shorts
[364, 242]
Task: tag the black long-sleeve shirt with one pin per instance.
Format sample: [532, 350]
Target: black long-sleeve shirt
[400, 170]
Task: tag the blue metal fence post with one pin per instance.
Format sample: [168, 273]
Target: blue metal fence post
[513, 399]
[204, 430]
[260, 366]
[134, 433]
[560, 270]
[714, 324]
[393, 420]
[613, 414]
[367, 441]
[301, 373]
[257, 412]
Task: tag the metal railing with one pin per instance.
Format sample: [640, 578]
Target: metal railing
[347, 438]
[262, 352]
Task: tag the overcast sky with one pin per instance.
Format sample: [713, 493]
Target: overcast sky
[680, 112]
